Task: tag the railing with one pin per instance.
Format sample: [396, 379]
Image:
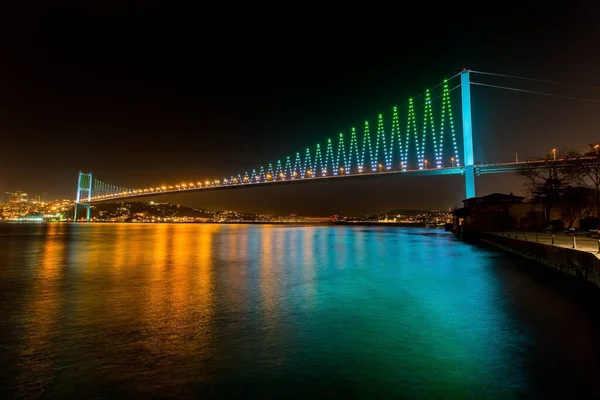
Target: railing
[582, 243]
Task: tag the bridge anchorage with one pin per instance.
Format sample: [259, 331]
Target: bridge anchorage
[393, 150]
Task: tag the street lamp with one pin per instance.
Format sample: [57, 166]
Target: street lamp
[596, 148]
[452, 161]
[341, 170]
[554, 152]
[380, 166]
[425, 164]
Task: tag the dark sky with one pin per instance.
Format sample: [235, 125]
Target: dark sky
[149, 93]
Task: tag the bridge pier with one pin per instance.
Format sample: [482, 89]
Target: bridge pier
[88, 212]
[469, 169]
[469, 172]
[84, 185]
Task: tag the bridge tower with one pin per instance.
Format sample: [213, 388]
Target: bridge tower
[84, 185]
[469, 169]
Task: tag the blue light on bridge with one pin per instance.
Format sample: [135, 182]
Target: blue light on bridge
[405, 150]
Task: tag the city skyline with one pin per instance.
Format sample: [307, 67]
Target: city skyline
[139, 107]
[18, 208]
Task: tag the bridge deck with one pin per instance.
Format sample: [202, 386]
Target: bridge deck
[154, 192]
[481, 169]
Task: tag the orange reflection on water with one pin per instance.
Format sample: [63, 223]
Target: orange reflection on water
[120, 251]
[178, 274]
[42, 313]
[179, 307]
[271, 265]
[204, 283]
[167, 271]
[266, 269]
[234, 250]
[230, 247]
[160, 251]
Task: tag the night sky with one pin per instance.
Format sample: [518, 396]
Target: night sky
[145, 93]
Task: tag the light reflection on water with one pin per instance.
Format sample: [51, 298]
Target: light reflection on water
[136, 310]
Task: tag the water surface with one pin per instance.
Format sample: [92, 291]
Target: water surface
[241, 311]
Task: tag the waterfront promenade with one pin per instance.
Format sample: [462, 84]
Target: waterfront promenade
[559, 239]
[572, 255]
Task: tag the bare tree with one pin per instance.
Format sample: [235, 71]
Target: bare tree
[546, 182]
[583, 169]
[576, 203]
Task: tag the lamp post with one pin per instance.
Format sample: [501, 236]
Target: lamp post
[380, 167]
[452, 161]
[425, 164]
[554, 153]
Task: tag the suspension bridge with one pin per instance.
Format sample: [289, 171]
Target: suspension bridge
[426, 142]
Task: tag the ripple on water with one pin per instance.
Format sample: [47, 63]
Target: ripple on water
[135, 310]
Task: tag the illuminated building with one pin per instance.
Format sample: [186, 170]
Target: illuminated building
[17, 197]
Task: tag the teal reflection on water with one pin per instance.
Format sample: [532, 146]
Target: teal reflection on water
[159, 310]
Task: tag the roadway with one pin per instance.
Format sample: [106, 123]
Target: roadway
[481, 169]
[224, 186]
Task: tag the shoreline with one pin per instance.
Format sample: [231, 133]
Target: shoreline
[330, 223]
[578, 264]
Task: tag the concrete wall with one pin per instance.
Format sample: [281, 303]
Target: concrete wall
[580, 264]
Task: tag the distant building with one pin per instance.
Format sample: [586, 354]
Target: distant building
[497, 212]
[17, 197]
[36, 199]
[489, 213]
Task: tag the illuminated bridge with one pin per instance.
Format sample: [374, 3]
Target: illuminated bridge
[422, 136]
